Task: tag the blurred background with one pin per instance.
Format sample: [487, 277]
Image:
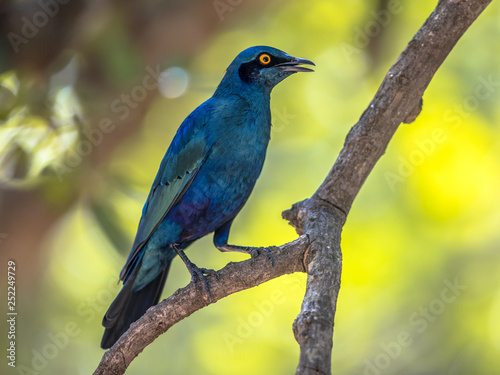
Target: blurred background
[91, 94]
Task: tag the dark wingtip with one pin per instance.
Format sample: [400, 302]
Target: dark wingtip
[108, 339]
[129, 306]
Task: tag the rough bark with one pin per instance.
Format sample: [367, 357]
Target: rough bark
[234, 277]
[321, 217]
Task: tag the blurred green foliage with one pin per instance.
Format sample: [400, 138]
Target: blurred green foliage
[428, 216]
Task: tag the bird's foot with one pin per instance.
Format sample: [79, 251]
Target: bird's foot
[256, 251]
[198, 274]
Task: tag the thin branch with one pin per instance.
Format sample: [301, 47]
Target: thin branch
[322, 216]
[233, 278]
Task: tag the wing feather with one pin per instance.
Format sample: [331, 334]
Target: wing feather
[178, 169]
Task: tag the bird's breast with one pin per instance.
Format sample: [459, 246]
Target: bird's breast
[238, 160]
[237, 136]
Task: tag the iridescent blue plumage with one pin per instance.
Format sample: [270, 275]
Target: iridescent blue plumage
[204, 179]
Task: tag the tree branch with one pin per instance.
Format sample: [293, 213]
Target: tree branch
[234, 277]
[322, 216]
[398, 99]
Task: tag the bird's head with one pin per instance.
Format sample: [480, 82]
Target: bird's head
[264, 67]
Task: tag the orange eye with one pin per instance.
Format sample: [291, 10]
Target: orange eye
[264, 59]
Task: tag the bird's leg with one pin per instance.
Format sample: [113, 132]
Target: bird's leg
[251, 250]
[220, 241]
[196, 272]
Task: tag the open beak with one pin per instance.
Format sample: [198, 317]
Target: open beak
[293, 65]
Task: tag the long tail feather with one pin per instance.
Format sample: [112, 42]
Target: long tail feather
[128, 307]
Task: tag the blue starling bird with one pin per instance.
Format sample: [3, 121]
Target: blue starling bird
[204, 179]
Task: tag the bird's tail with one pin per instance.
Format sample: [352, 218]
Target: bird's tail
[129, 306]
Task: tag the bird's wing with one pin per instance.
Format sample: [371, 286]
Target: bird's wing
[179, 167]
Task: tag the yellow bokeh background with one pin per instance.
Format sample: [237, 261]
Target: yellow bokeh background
[427, 217]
